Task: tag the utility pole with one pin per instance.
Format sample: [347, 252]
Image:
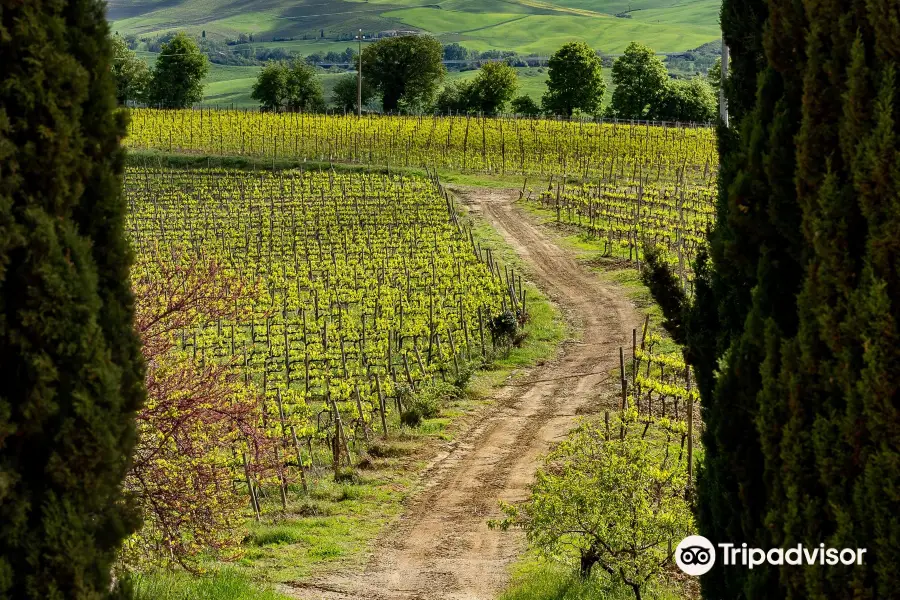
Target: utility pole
[723, 103]
[359, 78]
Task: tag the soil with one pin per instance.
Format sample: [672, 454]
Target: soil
[441, 547]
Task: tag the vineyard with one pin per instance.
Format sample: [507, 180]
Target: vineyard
[617, 153]
[337, 309]
[360, 295]
[671, 216]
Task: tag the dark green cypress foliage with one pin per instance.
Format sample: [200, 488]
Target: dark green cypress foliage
[831, 414]
[72, 375]
[797, 304]
[751, 275]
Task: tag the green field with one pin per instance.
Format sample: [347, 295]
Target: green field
[526, 26]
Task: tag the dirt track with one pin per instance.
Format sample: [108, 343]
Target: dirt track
[441, 547]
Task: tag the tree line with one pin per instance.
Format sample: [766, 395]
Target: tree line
[406, 74]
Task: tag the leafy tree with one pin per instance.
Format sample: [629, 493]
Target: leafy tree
[455, 52]
[346, 90]
[575, 81]
[304, 90]
[294, 87]
[794, 318]
[613, 498]
[406, 70]
[456, 97]
[178, 74]
[131, 73]
[525, 106]
[640, 78]
[493, 88]
[270, 89]
[73, 373]
[686, 100]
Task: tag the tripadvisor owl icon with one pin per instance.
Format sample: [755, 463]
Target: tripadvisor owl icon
[695, 555]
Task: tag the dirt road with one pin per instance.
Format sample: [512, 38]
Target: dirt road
[441, 548]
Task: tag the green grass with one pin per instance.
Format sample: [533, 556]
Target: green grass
[534, 579]
[525, 26]
[218, 585]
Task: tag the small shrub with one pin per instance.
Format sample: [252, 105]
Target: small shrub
[464, 376]
[503, 327]
[428, 402]
[428, 405]
[411, 417]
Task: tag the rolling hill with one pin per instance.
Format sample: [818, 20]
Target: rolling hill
[525, 26]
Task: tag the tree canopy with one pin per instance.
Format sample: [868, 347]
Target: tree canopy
[73, 373]
[686, 100]
[291, 86]
[406, 70]
[640, 78]
[493, 88]
[575, 81]
[611, 498]
[270, 88]
[455, 97]
[525, 106]
[132, 75]
[345, 93]
[178, 74]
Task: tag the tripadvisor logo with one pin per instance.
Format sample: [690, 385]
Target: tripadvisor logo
[696, 555]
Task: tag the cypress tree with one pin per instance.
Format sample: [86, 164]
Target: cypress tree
[792, 329]
[829, 410]
[72, 372]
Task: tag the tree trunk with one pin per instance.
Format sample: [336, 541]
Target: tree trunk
[588, 559]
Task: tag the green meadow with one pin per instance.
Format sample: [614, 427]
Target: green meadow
[525, 26]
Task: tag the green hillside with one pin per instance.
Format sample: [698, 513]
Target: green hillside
[526, 26]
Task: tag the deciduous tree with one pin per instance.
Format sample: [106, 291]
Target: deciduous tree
[198, 415]
[575, 81]
[132, 75]
[686, 100]
[640, 78]
[406, 70]
[456, 97]
[178, 74]
[345, 93]
[526, 106]
[493, 87]
[291, 86]
[270, 88]
[610, 498]
[304, 90]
